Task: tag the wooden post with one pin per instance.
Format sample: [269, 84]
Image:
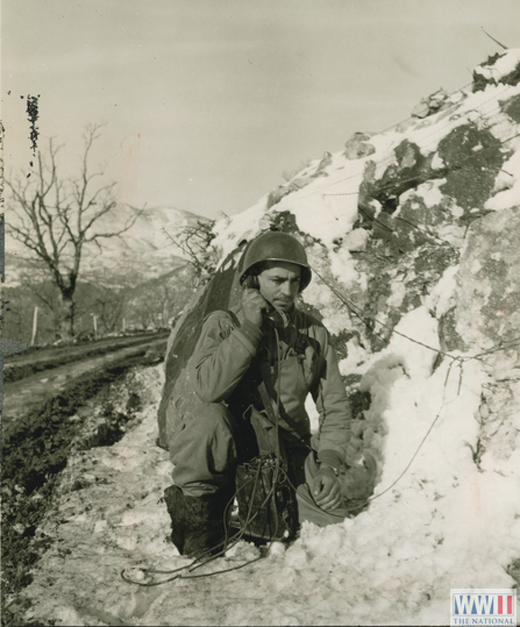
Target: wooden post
[35, 325]
[94, 320]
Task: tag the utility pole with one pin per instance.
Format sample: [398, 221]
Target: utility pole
[34, 325]
[94, 322]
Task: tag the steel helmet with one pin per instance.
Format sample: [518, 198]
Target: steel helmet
[275, 246]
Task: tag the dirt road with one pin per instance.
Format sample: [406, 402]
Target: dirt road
[46, 414]
[30, 394]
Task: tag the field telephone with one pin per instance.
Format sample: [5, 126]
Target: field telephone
[276, 318]
[267, 507]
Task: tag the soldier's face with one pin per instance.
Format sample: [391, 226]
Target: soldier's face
[280, 284]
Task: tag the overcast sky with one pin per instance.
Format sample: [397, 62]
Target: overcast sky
[206, 103]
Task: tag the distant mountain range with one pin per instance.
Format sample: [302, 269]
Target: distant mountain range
[146, 251]
[143, 253]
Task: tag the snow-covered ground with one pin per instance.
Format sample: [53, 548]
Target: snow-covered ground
[441, 525]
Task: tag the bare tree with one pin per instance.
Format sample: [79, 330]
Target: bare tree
[195, 241]
[57, 217]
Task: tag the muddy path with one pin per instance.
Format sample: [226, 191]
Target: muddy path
[107, 515]
[31, 394]
[39, 358]
[46, 416]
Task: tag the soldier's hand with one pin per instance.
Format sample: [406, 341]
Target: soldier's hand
[253, 306]
[326, 489]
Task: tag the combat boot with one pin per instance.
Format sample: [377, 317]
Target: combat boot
[198, 525]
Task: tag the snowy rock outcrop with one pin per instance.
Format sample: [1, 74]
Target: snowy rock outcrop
[413, 239]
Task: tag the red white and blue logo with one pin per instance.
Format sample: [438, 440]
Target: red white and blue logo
[483, 607]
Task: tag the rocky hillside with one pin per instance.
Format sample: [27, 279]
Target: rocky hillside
[412, 236]
[418, 222]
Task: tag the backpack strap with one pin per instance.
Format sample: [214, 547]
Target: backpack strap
[233, 317]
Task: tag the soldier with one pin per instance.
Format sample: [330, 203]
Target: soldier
[266, 342]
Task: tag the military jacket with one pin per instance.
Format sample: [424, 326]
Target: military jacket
[233, 355]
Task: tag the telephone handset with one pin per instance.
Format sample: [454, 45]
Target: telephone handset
[251, 282]
[278, 319]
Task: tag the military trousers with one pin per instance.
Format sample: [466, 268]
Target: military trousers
[205, 454]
